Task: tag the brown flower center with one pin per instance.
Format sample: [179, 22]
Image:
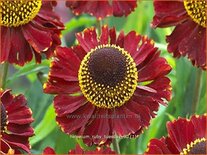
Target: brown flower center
[108, 76]
[196, 147]
[196, 9]
[107, 66]
[3, 117]
[18, 12]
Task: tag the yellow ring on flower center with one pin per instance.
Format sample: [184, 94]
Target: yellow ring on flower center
[189, 148]
[196, 9]
[108, 76]
[14, 13]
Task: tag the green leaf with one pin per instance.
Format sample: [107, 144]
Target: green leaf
[46, 126]
[67, 143]
[171, 117]
[78, 22]
[29, 69]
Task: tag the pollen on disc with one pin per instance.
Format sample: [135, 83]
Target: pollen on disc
[14, 13]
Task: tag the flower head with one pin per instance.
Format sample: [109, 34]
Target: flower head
[189, 36]
[184, 137]
[16, 119]
[120, 81]
[101, 9]
[28, 28]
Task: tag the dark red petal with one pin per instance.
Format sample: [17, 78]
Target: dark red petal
[99, 126]
[162, 85]
[66, 64]
[56, 42]
[199, 123]
[121, 8]
[194, 46]
[88, 39]
[131, 41]
[20, 116]
[18, 112]
[6, 97]
[189, 39]
[181, 132]
[127, 124]
[104, 35]
[112, 34]
[48, 151]
[100, 9]
[156, 68]
[21, 130]
[171, 146]
[146, 53]
[16, 142]
[5, 44]
[168, 13]
[48, 14]
[63, 76]
[159, 89]
[60, 86]
[142, 112]
[38, 56]
[120, 40]
[157, 146]
[148, 101]
[79, 51]
[179, 33]
[65, 104]
[20, 51]
[39, 40]
[74, 121]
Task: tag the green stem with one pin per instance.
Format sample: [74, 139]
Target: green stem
[116, 146]
[84, 146]
[99, 25]
[5, 71]
[198, 84]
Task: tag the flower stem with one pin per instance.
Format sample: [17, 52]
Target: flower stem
[99, 24]
[84, 146]
[5, 71]
[196, 97]
[116, 146]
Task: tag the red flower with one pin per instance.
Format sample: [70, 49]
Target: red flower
[49, 150]
[184, 137]
[16, 119]
[120, 82]
[189, 36]
[78, 150]
[32, 28]
[101, 9]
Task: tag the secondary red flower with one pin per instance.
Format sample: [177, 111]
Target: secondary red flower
[101, 9]
[189, 36]
[16, 119]
[120, 82]
[184, 137]
[28, 28]
[78, 150]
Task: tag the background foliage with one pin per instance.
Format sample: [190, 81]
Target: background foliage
[184, 80]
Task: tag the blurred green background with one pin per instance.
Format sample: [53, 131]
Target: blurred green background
[184, 80]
